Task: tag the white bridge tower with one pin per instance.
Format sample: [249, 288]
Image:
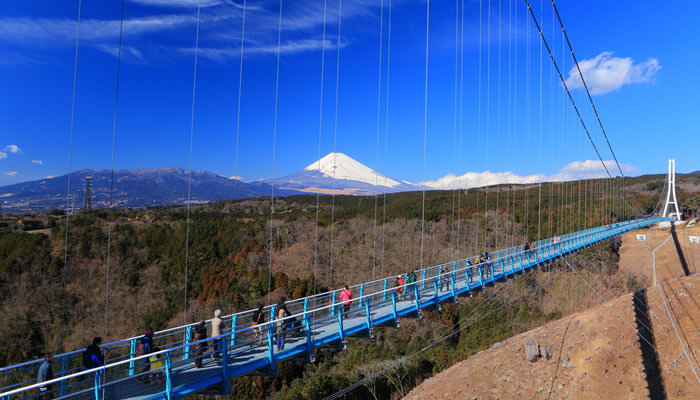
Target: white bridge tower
[671, 190]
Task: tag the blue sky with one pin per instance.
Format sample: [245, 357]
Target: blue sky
[640, 61]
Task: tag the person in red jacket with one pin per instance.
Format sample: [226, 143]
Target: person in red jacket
[346, 298]
[399, 287]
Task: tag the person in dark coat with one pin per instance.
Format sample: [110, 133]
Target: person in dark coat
[92, 357]
[199, 333]
[148, 348]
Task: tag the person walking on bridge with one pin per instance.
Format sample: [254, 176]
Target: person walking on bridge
[282, 324]
[346, 298]
[199, 333]
[399, 287]
[445, 277]
[258, 318]
[217, 326]
[45, 374]
[411, 279]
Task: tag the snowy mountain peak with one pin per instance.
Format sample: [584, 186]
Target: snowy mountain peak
[340, 166]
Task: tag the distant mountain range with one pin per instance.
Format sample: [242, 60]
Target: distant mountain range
[334, 173]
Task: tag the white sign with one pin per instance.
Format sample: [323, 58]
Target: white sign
[694, 239]
[641, 238]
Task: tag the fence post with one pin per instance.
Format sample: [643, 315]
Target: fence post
[168, 376]
[386, 284]
[481, 274]
[393, 304]
[435, 285]
[131, 356]
[234, 322]
[425, 275]
[454, 289]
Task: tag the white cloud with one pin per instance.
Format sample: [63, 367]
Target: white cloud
[38, 162]
[3, 155]
[12, 148]
[588, 169]
[235, 178]
[179, 3]
[605, 73]
[478, 179]
[11, 173]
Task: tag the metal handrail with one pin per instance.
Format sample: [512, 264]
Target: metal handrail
[383, 291]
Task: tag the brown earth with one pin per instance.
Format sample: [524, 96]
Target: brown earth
[596, 353]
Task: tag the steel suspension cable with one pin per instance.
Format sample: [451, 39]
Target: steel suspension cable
[425, 129]
[435, 342]
[111, 179]
[386, 130]
[238, 106]
[335, 136]
[379, 119]
[64, 315]
[189, 171]
[590, 98]
[568, 92]
[461, 128]
[320, 135]
[274, 150]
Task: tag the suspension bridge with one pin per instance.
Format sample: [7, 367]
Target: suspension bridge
[182, 365]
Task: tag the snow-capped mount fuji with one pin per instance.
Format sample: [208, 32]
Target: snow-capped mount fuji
[340, 174]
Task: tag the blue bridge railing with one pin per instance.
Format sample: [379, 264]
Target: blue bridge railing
[182, 365]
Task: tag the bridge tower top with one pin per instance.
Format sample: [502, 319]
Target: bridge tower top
[671, 191]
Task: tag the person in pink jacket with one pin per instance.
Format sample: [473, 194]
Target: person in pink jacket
[346, 298]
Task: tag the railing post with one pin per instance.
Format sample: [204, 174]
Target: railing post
[270, 336]
[386, 284]
[168, 376]
[224, 364]
[65, 366]
[188, 335]
[466, 277]
[131, 357]
[481, 274]
[341, 334]
[454, 290]
[333, 302]
[97, 385]
[435, 285]
[234, 322]
[425, 275]
[416, 294]
[368, 316]
[306, 315]
[491, 268]
[393, 304]
[362, 293]
[521, 261]
[307, 322]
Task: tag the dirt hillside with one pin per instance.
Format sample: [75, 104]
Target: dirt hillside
[598, 354]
